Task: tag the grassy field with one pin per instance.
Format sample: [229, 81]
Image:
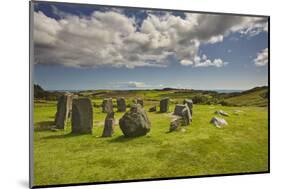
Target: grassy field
[202, 149]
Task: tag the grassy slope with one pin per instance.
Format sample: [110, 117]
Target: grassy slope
[251, 98]
[62, 158]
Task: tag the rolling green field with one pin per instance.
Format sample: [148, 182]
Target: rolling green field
[200, 149]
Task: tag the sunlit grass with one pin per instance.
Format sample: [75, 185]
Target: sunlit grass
[62, 158]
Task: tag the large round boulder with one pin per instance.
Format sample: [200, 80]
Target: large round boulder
[135, 122]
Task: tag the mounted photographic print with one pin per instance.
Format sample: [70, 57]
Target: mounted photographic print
[122, 94]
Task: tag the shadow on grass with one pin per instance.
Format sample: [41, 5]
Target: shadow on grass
[123, 139]
[61, 136]
[158, 112]
[44, 126]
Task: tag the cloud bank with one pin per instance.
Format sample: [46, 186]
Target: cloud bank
[113, 39]
[262, 58]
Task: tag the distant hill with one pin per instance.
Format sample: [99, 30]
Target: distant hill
[257, 96]
[40, 93]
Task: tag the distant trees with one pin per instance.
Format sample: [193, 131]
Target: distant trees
[40, 93]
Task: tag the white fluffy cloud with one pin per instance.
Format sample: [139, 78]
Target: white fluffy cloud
[113, 39]
[135, 84]
[262, 58]
[130, 85]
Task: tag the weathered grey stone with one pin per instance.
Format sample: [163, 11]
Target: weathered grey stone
[178, 109]
[186, 116]
[152, 109]
[218, 122]
[189, 103]
[121, 105]
[82, 116]
[164, 105]
[107, 105]
[221, 112]
[135, 122]
[108, 125]
[64, 107]
[70, 104]
[140, 101]
[175, 124]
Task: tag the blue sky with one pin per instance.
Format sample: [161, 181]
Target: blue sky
[88, 47]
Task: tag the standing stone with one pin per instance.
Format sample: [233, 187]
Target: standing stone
[135, 122]
[175, 124]
[64, 107]
[70, 104]
[107, 105]
[121, 104]
[108, 125]
[82, 116]
[140, 101]
[189, 104]
[164, 105]
[186, 116]
[152, 109]
[178, 109]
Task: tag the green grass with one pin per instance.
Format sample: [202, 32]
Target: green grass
[253, 98]
[62, 158]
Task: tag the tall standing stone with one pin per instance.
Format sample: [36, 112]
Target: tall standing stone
[121, 104]
[189, 104]
[107, 105]
[140, 101]
[164, 105]
[64, 107]
[186, 116]
[108, 129]
[82, 116]
[135, 122]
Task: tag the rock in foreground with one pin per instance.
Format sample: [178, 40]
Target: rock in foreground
[218, 122]
[135, 122]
